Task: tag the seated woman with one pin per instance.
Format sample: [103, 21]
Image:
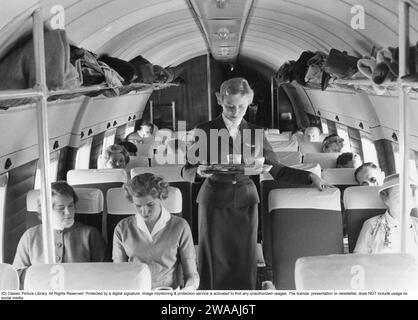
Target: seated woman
[155, 237]
[332, 144]
[349, 160]
[74, 242]
[312, 134]
[382, 234]
[116, 157]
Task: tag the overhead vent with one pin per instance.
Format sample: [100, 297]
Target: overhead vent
[223, 24]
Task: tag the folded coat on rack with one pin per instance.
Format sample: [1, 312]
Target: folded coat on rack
[18, 67]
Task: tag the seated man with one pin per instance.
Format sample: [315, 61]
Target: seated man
[74, 242]
[116, 157]
[382, 234]
[129, 146]
[349, 160]
[146, 130]
[332, 144]
[368, 174]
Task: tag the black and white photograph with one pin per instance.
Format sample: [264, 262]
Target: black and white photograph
[210, 155]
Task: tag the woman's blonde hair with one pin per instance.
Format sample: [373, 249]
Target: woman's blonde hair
[146, 184]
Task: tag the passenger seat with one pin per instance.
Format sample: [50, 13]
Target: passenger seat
[88, 209]
[304, 222]
[325, 160]
[88, 276]
[386, 272]
[361, 204]
[9, 279]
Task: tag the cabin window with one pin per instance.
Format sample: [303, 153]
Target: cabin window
[368, 148]
[342, 131]
[355, 141]
[53, 169]
[130, 127]
[120, 133]
[412, 162]
[332, 127]
[3, 186]
[109, 138]
[82, 160]
[324, 126]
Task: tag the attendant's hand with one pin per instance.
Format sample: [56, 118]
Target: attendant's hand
[319, 183]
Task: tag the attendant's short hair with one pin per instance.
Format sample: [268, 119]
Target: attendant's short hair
[236, 86]
[64, 189]
[146, 184]
[145, 123]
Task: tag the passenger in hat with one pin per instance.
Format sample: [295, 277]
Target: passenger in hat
[73, 242]
[116, 157]
[369, 174]
[332, 144]
[155, 237]
[382, 234]
[349, 160]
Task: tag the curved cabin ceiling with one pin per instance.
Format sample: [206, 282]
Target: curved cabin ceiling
[166, 31]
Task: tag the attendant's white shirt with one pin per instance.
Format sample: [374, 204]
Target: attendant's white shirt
[233, 127]
[161, 223]
[382, 234]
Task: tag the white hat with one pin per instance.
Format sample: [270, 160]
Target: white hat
[393, 180]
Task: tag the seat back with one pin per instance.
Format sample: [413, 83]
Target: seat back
[99, 179]
[361, 204]
[285, 146]
[138, 161]
[9, 279]
[88, 209]
[88, 276]
[119, 207]
[325, 160]
[342, 178]
[289, 158]
[357, 272]
[310, 147]
[304, 222]
[172, 174]
[274, 136]
[266, 185]
[145, 150]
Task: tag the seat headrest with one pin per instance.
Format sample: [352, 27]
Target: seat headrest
[305, 198]
[89, 176]
[138, 161]
[118, 204]
[273, 136]
[340, 176]
[9, 279]
[284, 146]
[90, 201]
[169, 173]
[326, 160]
[88, 276]
[363, 198]
[357, 272]
[289, 158]
[144, 150]
[314, 168]
[310, 147]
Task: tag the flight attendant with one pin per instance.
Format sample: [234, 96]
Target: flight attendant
[228, 210]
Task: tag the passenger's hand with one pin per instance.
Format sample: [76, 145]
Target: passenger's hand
[202, 174]
[319, 183]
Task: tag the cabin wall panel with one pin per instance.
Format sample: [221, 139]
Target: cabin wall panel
[21, 180]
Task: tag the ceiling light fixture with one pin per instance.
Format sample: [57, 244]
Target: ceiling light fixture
[223, 34]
